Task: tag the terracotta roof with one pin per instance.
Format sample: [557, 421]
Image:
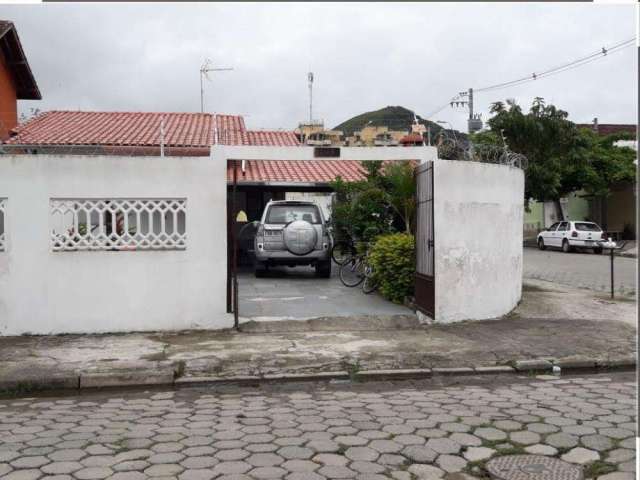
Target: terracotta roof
[115, 128]
[275, 138]
[230, 130]
[412, 138]
[184, 134]
[11, 51]
[142, 129]
[610, 128]
[298, 171]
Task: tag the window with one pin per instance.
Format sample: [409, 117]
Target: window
[553, 227]
[564, 226]
[282, 214]
[3, 205]
[587, 227]
[117, 224]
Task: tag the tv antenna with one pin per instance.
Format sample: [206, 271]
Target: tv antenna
[207, 67]
[310, 78]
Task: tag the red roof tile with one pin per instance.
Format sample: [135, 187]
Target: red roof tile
[272, 138]
[142, 129]
[116, 128]
[298, 171]
[610, 128]
[184, 134]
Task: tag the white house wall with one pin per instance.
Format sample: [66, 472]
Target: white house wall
[45, 292]
[478, 210]
[478, 235]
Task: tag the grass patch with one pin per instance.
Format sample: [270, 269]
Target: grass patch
[21, 389]
[598, 468]
[352, 369]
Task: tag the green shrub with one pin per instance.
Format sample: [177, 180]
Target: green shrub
[393, 260]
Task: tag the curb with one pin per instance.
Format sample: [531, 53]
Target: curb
[167, 378]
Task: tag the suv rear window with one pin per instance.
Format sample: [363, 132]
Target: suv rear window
[281, 214]
[587, 227]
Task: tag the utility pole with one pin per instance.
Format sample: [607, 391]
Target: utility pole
[310, 78]
[474, 123]
[204, 70]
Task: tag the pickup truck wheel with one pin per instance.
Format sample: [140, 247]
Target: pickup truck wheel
[541, 244]
[323, 269]
[566, 248]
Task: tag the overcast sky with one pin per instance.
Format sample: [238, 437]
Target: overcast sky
[365, 56]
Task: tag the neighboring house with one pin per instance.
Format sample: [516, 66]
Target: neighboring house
[315, 135]
[16, 80]
[376, 136]
[616, 213]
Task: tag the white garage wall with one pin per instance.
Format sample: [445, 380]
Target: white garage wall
[478, 209]
[47, 292]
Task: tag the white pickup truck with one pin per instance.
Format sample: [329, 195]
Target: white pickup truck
[568, 235]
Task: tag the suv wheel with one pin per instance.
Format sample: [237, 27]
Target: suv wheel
[260, 269]
[323, 269]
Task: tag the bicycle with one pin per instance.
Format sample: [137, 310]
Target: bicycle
[352, 271]
[357, 270]
[342, 251]
[370, 283]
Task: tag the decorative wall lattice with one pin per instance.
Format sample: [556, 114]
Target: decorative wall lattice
[118, 224]
[3, 205]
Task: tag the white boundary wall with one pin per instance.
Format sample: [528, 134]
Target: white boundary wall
[478, 212]
[44, 292]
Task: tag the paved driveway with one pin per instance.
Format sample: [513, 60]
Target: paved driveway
[581, 270]
[295, 293]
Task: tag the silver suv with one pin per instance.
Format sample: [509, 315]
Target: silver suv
[293, 233]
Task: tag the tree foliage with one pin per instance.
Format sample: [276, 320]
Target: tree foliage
[562, 158]
[382, 203]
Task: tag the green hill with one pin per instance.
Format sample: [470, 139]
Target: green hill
[396, 118]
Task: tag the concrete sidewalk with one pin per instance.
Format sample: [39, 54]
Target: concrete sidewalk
[534, 331]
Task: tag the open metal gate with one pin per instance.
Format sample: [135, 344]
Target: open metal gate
[425, 274]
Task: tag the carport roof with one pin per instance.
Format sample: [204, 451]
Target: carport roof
[298, 171]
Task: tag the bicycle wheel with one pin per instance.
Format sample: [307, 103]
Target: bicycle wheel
[369, 285]
[341, 251]
[352, 272]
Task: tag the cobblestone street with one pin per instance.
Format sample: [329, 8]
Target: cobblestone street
[581, 270]
[445, 427]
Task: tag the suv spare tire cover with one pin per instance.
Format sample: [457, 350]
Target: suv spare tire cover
[300, 237]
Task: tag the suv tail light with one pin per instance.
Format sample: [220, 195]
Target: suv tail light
[574, 234]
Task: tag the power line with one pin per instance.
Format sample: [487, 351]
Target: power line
[561, 68]
[603, 52]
